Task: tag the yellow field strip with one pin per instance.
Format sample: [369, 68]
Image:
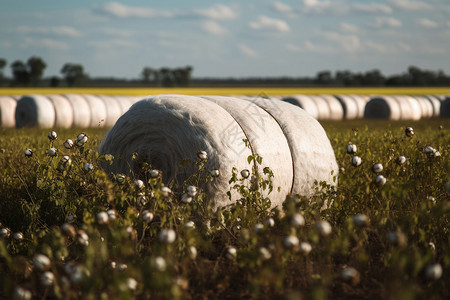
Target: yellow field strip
[229, 91]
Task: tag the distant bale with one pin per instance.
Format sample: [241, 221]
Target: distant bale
[445, 108]
[113, 110]
[382, 107]
[349, 106]
[81, 110]
[436, 103]
[98, 110]
[7, 112]
[63, 111]
[336, 110]
[426, 106]
[409, 108]
[323, 108]
[124, 102]
[361, 101]
[305, 102]
[35, 111]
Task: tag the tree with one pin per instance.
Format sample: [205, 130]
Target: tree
[20, 73]
[324, 77]
[36, 68]
[73, 73]
[2, 65]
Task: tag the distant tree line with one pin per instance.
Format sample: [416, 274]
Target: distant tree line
[30, 73]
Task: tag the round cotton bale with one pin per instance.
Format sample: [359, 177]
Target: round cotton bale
[7, 112]
[265, 138]
[124, 103]
[436, 104]
[445, 108]
[35, 111]
[323, 108]
[98, 110]
[63, 111]
[382, 107]
[336, 110]
[81, 111]
[165, 129]
[361, 101]
[349, 105]
[312, 155]
[426, 106]
[113, 110]
[409, 107]
[304, 102]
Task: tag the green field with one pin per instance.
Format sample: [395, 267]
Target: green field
[395, 255]
[232, 91]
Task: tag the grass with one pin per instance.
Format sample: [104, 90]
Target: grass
[232, 91]
[393, 254]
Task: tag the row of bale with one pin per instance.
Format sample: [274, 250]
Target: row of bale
[83, 110]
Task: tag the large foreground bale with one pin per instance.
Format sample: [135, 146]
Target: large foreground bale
[63, 111]
[165, 129]
[382, 107]
[35, 111]
[7, 112]
[98, 110]
[445, 108]
[81, 111]
[113, 110]
[305, 102]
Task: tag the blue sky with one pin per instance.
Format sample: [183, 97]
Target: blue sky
[228, 38]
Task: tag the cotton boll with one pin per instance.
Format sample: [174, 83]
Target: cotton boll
[68, 230]
[147, 216]
[47, 278]
[28, 152]
[323, 228]
[139, 183]
[154, 173]
[350, 275]
[186, 199]
[18, 236]
[191, 190]
[397, 238]
[189, 225]
[351, 149]
[5, 232]
[192, 251]
[231, 253]
[167, 236]
[82, 139]
[102, 218]
[245, 173]
[52, 135]
[264, 253]
[202, 155]
[41, 262]
[401, 160]
[88, 167]
[361, 220]
[22, 294]
[165, 191]
[270, 222]
[83, 238]
[356, 161]
[380, 180]
[297, 220]
[409, 131]
[160, 264]
[377, 168]
[52, 152]
[215, 173]
[305, 248]
[433, 272]
[132, 284]
[112, 214]
[258, 228]
[68, 144]
[291, 242]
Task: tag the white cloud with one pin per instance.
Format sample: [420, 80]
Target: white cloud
[349, 42]
[113, 44]
[5, 44]
[60, 31]
[376, 47]
[410, 5]
[323, 49]
[404, 47]
[218, 12]
[213, 27]
[115, 32]
[119, 10]
[349, 28]
[383, 22]
[282, 7]
[266, 23]
[44, 43]
[294, 48]
[247, 51]
[426, 23]
[372, 8]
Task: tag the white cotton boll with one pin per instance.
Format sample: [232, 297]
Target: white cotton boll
[351, 149]
[18, 236]
[258, 228]
[139, 183]
[291, 242]
[191, 190]
[297, 220]
[215, 173]
[192, 251]
[351, 275]
[141, 199]
[431, 199]
[28, 152]
[111, 214]
[22, 294]
[305, 248]
[186, 199]
[122, 267]
[102, 218]
[380, 180]
[264, 253]
[231, 253]
[5, 232]
[189, 225]
[83, 238]
[361, 220]
[377, 168]
[154, 173]
[165, 191]
[167, 236]
[202, 155]
[41, 262]
[147, 216]
[245, 173]
[47, 278]
[270, 222]
[88, 167]
[323, 227]
[52, 152]
[132, 284]
[430, 151]
[433, 272]
[160, 264]
[409, 131]
[397, 238]
[68, 144]
[52, 135]
[82, 139]
[356, 161]
[401, 160]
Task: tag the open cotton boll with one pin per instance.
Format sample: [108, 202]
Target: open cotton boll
[305, 102]
[35, 111]
[7, 112]
[81, 110]
[63, 111]
[113, 110]
[98, 110]
[165, 129]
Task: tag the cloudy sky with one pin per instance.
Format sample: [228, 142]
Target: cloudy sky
[228, 38]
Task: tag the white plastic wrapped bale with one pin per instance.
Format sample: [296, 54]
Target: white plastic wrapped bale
[445, 108]
[361, 101]
[409, 107]
[436, 103]
[265, 138]
[35, 111]
[323, 108]
[426, 106]
[350, 107]
[312, 155]
[7, 112]
[63, 111]
[113, 110]
[305, 102]
[81, 111]
[166, 129]
[98, 110]
[382, 107]
[124, 103]
[336, 110]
